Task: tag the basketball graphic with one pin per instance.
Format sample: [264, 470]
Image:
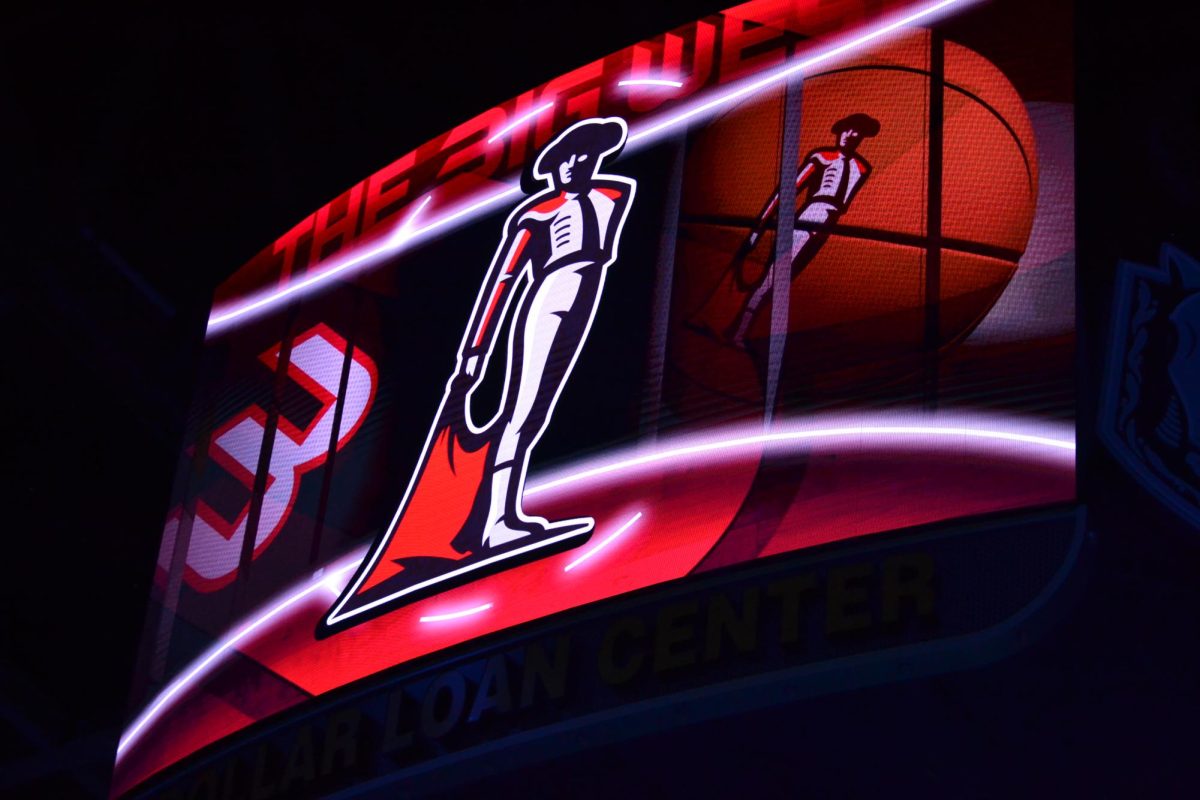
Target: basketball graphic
[903, 243]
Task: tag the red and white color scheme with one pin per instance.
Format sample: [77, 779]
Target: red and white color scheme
[462, 514]
[831, 177]
[661, 513]
[693, 378]
[215, 543]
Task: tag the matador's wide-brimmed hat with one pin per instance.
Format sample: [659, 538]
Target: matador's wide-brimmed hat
[596, 137]
[863, 123]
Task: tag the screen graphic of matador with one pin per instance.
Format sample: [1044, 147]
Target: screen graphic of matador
[831, 177]
[461, 516]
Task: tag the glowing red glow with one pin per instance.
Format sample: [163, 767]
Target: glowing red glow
[643, 132]
[689, 490]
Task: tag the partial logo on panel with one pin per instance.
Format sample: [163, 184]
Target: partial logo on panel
[214, 541]
[1150, 416]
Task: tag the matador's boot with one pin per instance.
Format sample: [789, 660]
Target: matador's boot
[507, 524]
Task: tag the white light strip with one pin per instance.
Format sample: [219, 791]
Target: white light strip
[394, 244]
[542, 109]
[220, 319]
[403, 233]
[223, 647]
[987, 430]
[929, 433]
[469, 211]
[650, 82]
[391, 244]
[603, 544]
[457, 614]
[792, 70]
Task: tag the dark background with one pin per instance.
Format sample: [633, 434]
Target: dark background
[150, 151]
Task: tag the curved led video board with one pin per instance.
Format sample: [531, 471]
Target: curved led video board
[574, 348]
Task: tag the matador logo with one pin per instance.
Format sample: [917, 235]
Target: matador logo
[832, 177]
[461, 515]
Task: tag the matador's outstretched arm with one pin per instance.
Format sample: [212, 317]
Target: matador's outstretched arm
[498, 289]
[764, 218]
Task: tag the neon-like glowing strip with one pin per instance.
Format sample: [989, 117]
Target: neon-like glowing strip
[988, 430]
[394, 244]
[391, 243]
[403, 233]
[469, 211]
[887, 434]
[797, 68]
[542, 109]
[607, 541]
[456, 614]
[223, 647]
[650, 82]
